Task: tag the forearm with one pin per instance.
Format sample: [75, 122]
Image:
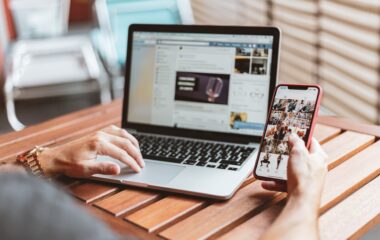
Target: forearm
[298, 220]
[12, 168]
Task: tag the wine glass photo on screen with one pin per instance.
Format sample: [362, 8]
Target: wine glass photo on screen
[214, 88]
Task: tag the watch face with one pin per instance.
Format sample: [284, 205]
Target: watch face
[30, 161]
[33, 153]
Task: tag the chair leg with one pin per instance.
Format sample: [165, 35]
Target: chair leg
[118, 86]
[105, 88]
[10, 107]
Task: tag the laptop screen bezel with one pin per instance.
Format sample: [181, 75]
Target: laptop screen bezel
[192, 133]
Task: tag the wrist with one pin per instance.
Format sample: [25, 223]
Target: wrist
[305, 202]
[49, 160]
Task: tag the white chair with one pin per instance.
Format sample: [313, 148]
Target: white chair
[52, 67]
[115, 16]
[40, 18]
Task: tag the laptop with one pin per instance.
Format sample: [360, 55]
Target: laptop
[197, 98]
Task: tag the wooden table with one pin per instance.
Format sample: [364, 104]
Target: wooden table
[350, 204]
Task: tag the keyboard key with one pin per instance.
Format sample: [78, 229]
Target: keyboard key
[231, 163]
[190, 162]
[222, 166]
[193, 152]
[163, 159]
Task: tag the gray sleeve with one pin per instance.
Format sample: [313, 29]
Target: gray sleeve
[33, 209]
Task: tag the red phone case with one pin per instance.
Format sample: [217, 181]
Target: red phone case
[317, 105]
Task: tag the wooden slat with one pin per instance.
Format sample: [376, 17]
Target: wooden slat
[300, 34]
[159, 215]
[252, 12]
[340, 182]
[345, 146]
[324, 133]
[350, 175]
[302, 21]
[351, 16]
[344, 65]
[356, 106]
[60, 122]
[285, 77]
[212, 9]
[56, 135]
[352, 217]
[297, 73]
[219, 216]
[65, 181]
[334, 103]
[126, 201]
[299, 45]
[362, 37]
[370, 6]
[163, 212]
[309, 7]
[89, 191]
[359, 107]
[354, 52]
[347, 124]
[260, 224]
[301, 53]
[308, 66]
[125, 229]
[362, 90]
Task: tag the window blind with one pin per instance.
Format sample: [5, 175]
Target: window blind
[335, 43]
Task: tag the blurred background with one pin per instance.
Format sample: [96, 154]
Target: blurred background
[59, 56]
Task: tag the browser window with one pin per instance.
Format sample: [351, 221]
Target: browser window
[213, 82]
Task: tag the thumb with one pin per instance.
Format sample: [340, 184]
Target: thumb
[106, 168]
[295, 140]
[315, 147]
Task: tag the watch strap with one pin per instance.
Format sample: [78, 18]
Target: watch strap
[30, 161]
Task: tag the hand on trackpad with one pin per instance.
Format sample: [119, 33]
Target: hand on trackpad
[153, 172]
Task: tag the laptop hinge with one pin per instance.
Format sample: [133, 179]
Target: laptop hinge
[132, 131]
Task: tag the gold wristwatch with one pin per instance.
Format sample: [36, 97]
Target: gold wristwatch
[30, 161]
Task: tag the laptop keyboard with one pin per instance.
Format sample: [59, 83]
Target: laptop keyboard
[192, 152]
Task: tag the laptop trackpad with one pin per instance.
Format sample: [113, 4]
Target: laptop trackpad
[153, 173]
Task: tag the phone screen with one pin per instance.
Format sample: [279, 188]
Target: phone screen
[292, 112]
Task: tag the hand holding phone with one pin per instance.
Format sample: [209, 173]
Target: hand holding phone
[293, 111]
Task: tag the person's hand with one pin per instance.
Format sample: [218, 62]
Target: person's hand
[77, 158]
[306, 171]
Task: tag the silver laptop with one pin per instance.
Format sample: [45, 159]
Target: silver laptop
[196, 98]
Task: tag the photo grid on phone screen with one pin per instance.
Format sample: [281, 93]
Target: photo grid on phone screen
[287, 116]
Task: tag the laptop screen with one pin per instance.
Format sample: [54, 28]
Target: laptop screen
[197, 81]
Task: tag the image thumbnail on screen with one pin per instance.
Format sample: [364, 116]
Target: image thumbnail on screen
[288, 115]
[202, 87]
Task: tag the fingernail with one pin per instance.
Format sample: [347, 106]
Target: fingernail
[113, 169]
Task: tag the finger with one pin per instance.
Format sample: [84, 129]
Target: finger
[107, 168]
[315, 147]
[297, 147]
[297, 156]
[114, 130]
[274, 186]
[295, 142]
[109, 149]
[127, 145]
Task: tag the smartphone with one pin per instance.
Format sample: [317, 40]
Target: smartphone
[294, 109]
